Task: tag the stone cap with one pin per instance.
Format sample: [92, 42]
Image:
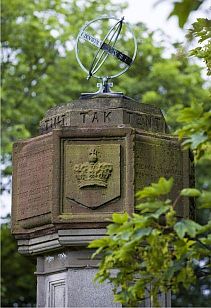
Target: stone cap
[104, 111]
[105, 102]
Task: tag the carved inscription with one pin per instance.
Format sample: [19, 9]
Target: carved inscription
[146, 121]
[75, 118]
[107, 116]
[34, 179]
[54, 122]
[93, 173]
[93, 118]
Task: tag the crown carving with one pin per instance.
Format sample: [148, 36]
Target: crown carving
[93, 172]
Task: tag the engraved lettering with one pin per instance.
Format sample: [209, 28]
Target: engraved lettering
[60, 119]
[54, 121]
[95, 117]
[129, 117]
[51, 125]
[46, 124]
[83, 116]
[107, 48]
[139, 121]
[148, 122]
[107, 117]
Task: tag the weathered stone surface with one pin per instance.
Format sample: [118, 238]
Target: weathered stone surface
[60, 284]
[115, 148]
[157, 156]
[91, 159]
[60, 239]
[59, 199]
[86, 183]
[69, 204]
[86, 294]
[56, 185]
[32, 181]
[101, 112]
[66, 279]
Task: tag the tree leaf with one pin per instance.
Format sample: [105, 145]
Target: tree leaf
[99, 242]
[196, 140]
[190, 113]
[180, 229]
[186, 226]
[205, 200]
[120, 218]
[140, 233]
[163, 209]
[190, 192]
[149, 206]
[183, 8]
[162, 187]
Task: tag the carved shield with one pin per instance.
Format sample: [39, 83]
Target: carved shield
[91, 174]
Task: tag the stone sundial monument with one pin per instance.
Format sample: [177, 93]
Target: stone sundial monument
[91, 157]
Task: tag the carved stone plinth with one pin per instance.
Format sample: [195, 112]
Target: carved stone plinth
[91, 158]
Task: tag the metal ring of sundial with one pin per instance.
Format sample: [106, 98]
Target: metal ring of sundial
[105, 49]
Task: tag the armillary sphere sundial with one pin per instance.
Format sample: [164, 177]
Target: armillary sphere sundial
[102, 51]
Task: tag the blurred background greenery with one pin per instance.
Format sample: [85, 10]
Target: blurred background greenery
[39, 70]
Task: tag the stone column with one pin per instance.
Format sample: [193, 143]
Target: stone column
[66, 277]
[90, 159]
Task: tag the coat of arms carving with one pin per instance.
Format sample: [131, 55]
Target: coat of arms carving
[93, 172]
[91, 175]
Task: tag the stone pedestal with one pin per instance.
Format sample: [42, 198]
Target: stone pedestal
[90, 159]
[65, 271]
[66, 279]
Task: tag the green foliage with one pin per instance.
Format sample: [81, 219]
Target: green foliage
[182, 9]
[151, 247]
[188, 227]
[196, 120]
[201, 29]
[18, 282]
[39, 69]
[152, 250]
[163, 187]
[190, 192]
[205, 199]
[197, 128]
